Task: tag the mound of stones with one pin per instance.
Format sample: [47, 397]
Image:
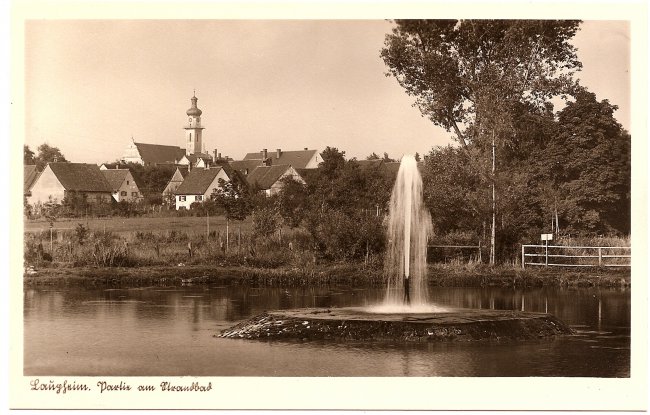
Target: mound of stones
[357, 324]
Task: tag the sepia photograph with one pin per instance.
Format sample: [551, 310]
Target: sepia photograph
[209, 199]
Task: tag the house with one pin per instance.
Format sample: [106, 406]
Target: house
[123, 185]
[300, 159]
[177, 178]
[269, 178]
[30, 175]
[59, 179]
[199, 184]
[152, 154]
[201, 160]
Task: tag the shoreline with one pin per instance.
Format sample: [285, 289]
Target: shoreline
[325, 274]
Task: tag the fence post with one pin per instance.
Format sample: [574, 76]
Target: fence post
[523, 256]
[546, 255]
[600, 256]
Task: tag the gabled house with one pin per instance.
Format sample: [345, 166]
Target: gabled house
[177, 178]
[300, 159]
[198, 185]
[201, 160]
[152, 154]
[269, 179]
[59, 179]
[29, 177]
[123, 185]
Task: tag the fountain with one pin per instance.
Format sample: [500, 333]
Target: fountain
[405, 313]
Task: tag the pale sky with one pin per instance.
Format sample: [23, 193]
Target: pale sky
[91, 85]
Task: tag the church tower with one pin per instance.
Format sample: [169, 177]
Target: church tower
[193, 130]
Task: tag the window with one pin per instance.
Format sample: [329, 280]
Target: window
[127, 182]
[134, 194]
[122, 193]
[181, 198]
[198, 198]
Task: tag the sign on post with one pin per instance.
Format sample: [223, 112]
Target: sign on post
[547, 237]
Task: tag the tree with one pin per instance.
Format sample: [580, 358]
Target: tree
[235, 197]
[333, 160]
[48, 154]
[373, 156]
[588, 164]
[28, 157]
[469, 76]
[293, 201]
[151, 180]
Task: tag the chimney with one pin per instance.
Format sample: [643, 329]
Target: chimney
[277, 153]
[265, 154]
[219, 156]
[306, 149]
[55, 159]
[215, 154]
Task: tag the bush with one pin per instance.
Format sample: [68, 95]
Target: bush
[266, 221]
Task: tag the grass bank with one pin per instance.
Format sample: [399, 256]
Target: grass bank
[328, 273]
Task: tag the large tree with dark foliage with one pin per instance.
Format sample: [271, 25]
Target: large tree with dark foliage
[472, 76]
[588, 165]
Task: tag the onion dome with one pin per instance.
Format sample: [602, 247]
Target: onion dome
[194, 111]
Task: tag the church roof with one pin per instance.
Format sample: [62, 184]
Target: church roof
[263, 177]
[80, 177]
[198, 181]
[159, 154]
[298, 159]
[194, 110]
[115, 177]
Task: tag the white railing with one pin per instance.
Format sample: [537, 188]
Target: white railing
[597, 256]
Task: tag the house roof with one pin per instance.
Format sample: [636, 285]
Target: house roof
[198, 181]
[159, 154]
[115, 177]
[263, 177]
[184, 171]
[30, 176]
[297, 159]
[193, 158]
[80, 177]
[246, 165]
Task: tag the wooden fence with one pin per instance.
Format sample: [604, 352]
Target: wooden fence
[566, 256]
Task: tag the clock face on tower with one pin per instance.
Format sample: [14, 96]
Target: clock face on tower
[190, 120]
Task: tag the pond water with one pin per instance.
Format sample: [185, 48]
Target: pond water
[158, 331]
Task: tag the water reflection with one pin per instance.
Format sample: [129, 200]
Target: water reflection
[169, 331]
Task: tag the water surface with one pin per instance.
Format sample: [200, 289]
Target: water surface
[158, 331]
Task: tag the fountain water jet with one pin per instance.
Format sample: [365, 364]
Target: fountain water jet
[409, 228]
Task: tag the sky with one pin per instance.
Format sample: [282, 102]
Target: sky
[91, 85]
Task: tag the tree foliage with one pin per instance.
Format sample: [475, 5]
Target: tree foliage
[28, 155]
[234, 197]
[466, 74]
[47, 154]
